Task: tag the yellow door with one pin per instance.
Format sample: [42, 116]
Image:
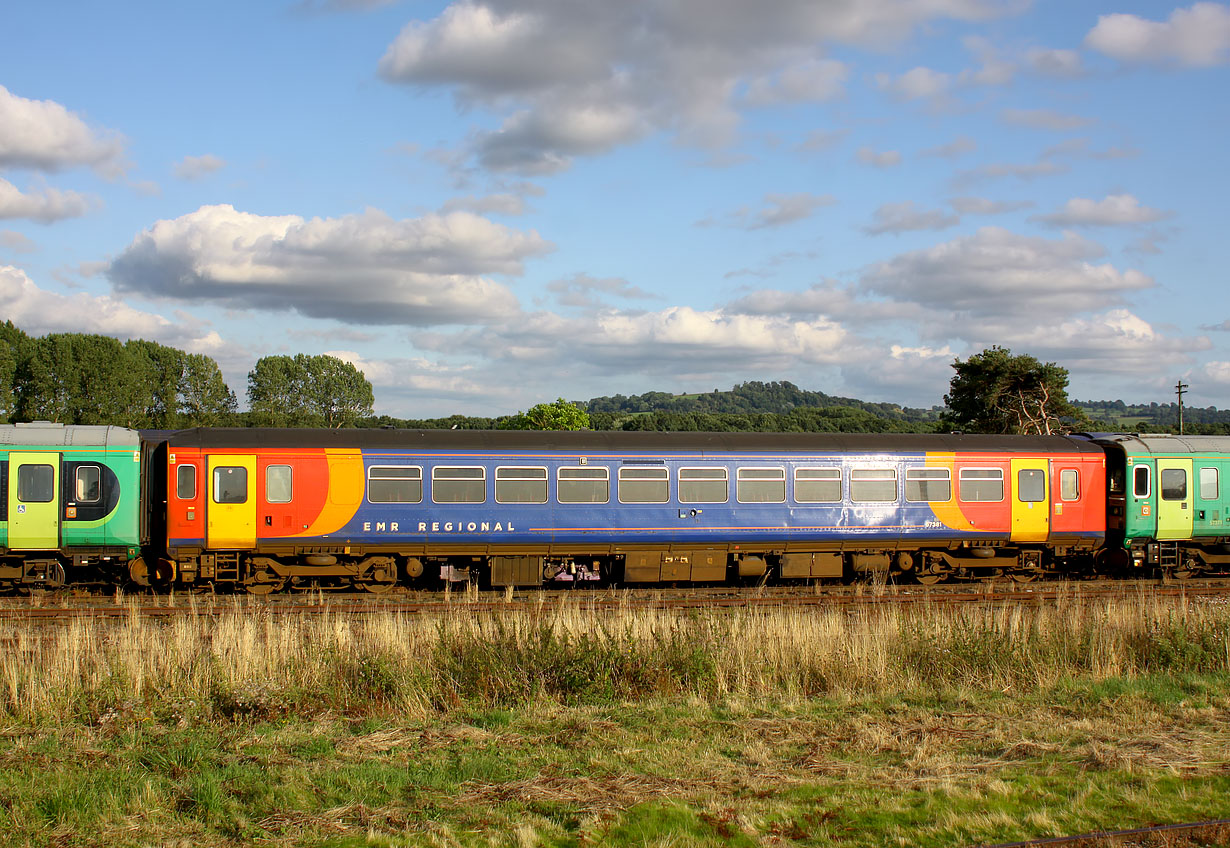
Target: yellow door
[1031, 501]
[34, 501]
[232, 502]
[1174, 503]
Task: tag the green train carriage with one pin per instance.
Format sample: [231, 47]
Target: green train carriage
[1168, 502]
[70, 504]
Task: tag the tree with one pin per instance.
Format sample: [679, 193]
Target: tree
[560, 415]
[204, 399]
[996, 392]
[308, 391]
[12, 344]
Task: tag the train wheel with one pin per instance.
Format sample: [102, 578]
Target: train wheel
[264, 582]
[1024, 576]
[377, 587]
[932, 571]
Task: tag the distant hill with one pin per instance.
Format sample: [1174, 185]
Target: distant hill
[1156, 417]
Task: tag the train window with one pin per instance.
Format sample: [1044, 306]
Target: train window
[928, 484]
[1140, 481]
[89, 484]
[761, 485]
[644, 485]
[1069, 485]
[583, 485]
[185, 482]
[395, 484]
[1031, 485]
[981, 484]
[1208, 484]
[36, 483]
[873, 485]
[703, 485]
[520, 485]
[278, 484]
[1174, 484]
[817, 485]
[230, 484]
[454, 484]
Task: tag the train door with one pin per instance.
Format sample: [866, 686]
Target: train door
[231, 502]
[1174, 503]
[1031, 503]
[34, 501]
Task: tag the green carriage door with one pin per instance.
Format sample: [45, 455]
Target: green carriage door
[34, 501]
[1174, 503]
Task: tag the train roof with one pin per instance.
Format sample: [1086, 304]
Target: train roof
[1163, 443]
[618, 440]
[83, 435]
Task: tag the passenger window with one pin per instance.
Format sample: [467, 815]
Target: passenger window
[761, 485]
[185, 482]
[521, 485]
[817, 485]
[395, 484]
[703, 485]
[1069, 485]
[1140, 481]
[278, 484]
[89, 484]
[644, 485]
[873, 485]
[1031, 485]
[1208, 484]
[36, 483]
[928, 484]
[230, 484]
[981, 484]
[458, 485]
[583, 485]
[1174, 484]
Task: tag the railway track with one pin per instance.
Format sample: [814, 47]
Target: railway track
[62, 607]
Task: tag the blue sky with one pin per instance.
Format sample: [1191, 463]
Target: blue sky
[489, 204]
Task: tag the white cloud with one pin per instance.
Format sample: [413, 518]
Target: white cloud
[903, 217]
[876, 159]
[1044, 119]
[986, 206]
[1198, 36]
[813, 80]
[915, 84]
[48, 205]
[196, 167]
[585, 291]
[366, 269]
[1063, 64]
[16, 242]
[43, 135]
[959, 146]
[779, 210]
[1114, 210]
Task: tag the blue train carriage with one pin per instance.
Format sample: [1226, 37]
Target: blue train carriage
[70, 505]
[1168, 506]
[267, 508]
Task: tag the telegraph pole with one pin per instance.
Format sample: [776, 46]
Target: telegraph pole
[1179, 388]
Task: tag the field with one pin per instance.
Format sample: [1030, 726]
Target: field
[569, 726]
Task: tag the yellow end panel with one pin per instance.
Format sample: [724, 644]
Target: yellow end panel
[34, 501]
[231, 502]
[949, 513]
[347, 486]
[1174, 499]
[1031, 517]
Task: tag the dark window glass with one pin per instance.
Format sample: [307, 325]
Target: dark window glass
[230, 484]
[644, 485]
[703, 485]
[1070, 484]
[982, 484]
[521, 485]
[928, 484]
[873, 485]
[394, 484]
[761, 485]
[278, 488]
[583, 485]
[458, 485]
[89, 484]
[1140, 481]
[1174, 484]
[185, 482]
[36, 483]
[1208, 484]
[817, 485]
[1031, 485]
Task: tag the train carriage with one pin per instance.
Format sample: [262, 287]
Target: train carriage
[70, 504]
[267, 508]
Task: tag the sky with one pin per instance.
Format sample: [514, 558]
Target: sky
[488, 204]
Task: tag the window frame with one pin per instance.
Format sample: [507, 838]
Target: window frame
[23, 485]
[561, 482]
[739, 478]
[401, 468]
[1064, 474]
[1003, 488]
[1162, 484]
[1148, 477]
[839, 479]
[724, 480]
[1216, 483]
[619, 481]
[947, 478]
[217, 471]
[435, 469]
[290, 483]
[881, 469]
[1031, 471]
[78, 497]
[178, 482]
[545, 479]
